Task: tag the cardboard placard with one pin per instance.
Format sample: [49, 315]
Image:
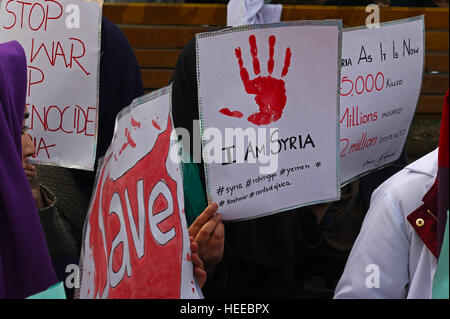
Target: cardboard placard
[381, 79]
[61, 39]
[268, 107]
[136, 242]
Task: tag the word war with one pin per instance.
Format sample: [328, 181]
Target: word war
[76, 50]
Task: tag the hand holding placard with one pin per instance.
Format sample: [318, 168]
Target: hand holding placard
[208, 231]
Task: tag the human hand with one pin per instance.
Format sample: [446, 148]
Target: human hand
[199, 270]
[30, 172]
[208, 232]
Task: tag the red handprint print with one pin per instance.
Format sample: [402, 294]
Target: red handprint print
[270, 92]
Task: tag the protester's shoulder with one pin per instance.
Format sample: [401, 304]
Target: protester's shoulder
[188, 53]
[110, 27]
[190, 49]
[409, 182]
[185, 73]
[113, 34]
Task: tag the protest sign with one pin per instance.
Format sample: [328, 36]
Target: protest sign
[136, 242]
[61, 39]
[268, 104]
[381, 78]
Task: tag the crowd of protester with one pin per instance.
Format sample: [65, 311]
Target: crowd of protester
[319, 251]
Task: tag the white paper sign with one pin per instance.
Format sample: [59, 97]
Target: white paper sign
[136, 242]
[277, 85]
[61, 39]
[381, 79]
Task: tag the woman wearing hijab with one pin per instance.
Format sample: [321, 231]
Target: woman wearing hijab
[25, 265]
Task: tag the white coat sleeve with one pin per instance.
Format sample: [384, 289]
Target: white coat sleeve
[378, 263]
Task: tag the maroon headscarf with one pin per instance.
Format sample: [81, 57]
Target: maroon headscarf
[442, 176]
[433, 212]
[25, 266]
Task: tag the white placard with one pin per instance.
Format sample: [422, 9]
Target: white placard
[278, 85]
[381, 79]
[136, 242]
[61, 39]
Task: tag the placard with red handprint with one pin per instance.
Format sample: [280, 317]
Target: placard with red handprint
[269, 111]
[136, 242]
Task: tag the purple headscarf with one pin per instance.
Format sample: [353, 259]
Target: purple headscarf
[25, 266]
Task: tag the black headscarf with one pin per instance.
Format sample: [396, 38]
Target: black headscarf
[120, 83]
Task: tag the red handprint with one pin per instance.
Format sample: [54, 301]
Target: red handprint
[270, 92]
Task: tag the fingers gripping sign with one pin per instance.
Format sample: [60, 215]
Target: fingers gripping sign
[199, 271]
[270, 92]
[202, 219]
[208, 232]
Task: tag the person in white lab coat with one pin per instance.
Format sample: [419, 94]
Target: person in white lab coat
[395, 254]
[389, 259]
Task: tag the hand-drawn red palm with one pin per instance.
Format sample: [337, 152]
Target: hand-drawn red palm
[270, 92]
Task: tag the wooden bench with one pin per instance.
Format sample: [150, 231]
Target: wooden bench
[157, 33]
